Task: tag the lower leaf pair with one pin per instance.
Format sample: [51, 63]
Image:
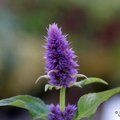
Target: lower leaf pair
[86, 107]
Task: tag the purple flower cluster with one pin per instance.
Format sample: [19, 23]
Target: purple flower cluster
[57, 114]
[60, 63]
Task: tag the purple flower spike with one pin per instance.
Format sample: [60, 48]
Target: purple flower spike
[60, 63]
[67, 114]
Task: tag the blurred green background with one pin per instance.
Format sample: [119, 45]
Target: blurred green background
[94, 32]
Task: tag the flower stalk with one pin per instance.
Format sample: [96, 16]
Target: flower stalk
[62, 98]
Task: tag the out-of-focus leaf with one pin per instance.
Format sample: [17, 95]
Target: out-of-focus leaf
[35, 106]
[90, 81]
[88, 104]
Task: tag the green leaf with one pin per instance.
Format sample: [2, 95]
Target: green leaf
[50, 87]
[88, 104]
[90, 81]
[35, 106]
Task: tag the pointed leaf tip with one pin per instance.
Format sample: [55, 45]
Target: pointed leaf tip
[88, 104]
[90, 80]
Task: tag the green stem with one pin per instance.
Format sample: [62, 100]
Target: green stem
[62, 98]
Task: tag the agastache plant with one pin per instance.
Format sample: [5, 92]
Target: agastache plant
[60, 68]
[61, 72]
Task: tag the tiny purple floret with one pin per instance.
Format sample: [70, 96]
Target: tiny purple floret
[60, 58]
[57, 114]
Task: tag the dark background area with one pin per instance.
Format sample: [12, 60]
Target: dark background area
[93, 28]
